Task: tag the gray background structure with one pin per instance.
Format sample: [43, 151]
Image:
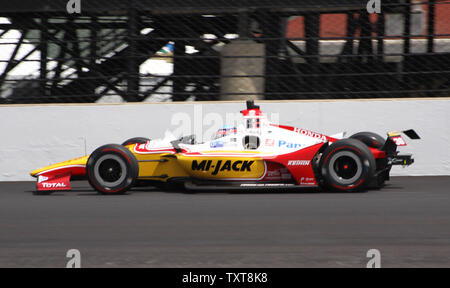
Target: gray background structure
[170, 50]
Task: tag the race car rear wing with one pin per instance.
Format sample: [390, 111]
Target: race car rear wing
[393, 141]
[411, 134]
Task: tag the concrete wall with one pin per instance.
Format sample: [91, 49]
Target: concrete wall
[240, 67]
[35, 136]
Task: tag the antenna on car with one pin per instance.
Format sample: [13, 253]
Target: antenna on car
[251, 105]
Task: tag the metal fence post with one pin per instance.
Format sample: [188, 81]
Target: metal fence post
[44, 54]
[133, 64]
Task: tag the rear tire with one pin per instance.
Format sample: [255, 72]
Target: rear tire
[347, 165]
[370, 139]
[112, 169]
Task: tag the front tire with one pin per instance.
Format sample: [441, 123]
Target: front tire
[112, 169]
[347, 165]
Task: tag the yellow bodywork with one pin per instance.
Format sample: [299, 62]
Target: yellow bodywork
[224, 167]
[151, 169]
[80, 161]
[205, 167]
[177, 165]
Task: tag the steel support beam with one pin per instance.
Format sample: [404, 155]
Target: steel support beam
[273, 40]
[407, 27]
[104, 79]
[430, 28]
[44, 35]
[350, 35]
[61, 59]
[93, 46]
[12, 59]
[365, 41]
[312, 34]
[178, 82]
[244, 24]
[133, 64]
[312, 28]
[380, 35]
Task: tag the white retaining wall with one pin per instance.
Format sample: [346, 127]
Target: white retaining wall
[38, 135]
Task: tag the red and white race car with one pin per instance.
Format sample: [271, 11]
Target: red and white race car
[255, 154]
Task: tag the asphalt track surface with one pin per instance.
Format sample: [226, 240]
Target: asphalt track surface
[408, 221]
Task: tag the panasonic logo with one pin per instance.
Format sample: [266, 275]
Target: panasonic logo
[298, 162]
[282, 143]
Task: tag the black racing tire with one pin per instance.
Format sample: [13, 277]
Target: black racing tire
[135, 140]
[370, 139]
[112, 169]
[347, 165]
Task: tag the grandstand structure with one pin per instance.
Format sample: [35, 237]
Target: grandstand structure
[171, 50]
